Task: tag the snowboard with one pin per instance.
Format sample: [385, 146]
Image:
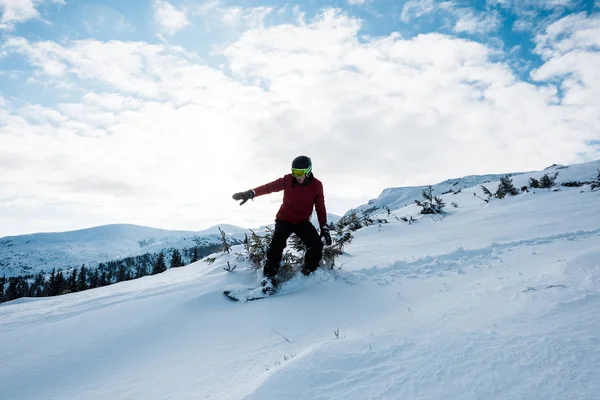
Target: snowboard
[245, 294]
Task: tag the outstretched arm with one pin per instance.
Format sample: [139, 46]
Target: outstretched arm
[275, 186]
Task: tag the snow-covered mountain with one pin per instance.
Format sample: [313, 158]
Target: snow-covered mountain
[28, 254]
[498, 299]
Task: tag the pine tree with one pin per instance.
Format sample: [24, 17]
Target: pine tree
[141, 271]
[596, 182]
[534, 183]
[226, 247]
[546, 182]
[103, 279]
[432, 204]
[11, 291]
[176, 260]
[2, 281]
[73, 281]
[121, 273]
[50, 285]
[60, 283]
[82, 281]
[159, 266]
[506, 187]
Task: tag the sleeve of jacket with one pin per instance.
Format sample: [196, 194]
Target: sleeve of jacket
[275, 186]
[320, 205]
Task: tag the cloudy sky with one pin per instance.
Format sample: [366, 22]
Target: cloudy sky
[156, 112]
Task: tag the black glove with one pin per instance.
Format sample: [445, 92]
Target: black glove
[245, 196]
[325, 234]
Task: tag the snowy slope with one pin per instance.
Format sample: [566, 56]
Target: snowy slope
[394, 198]
[497, 300]
[26, 254]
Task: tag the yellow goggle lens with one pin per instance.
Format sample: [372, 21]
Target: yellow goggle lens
[299, 172]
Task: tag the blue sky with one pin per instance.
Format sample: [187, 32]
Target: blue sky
[107, 108]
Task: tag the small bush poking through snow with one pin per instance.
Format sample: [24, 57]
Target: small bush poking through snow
[596, 182]
[431, 204]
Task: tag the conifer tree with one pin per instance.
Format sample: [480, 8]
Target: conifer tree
[546, 182]
[141, 271]
[506, 187]
[2, 280]
[11, 291]
[60, 283]
[73, 281]
[534, 183]
[82, 281]
[103, 279]
[121, 273]
[159, 266]
[432, 204]
[176, 260]
[226, 247]
[596, 182]
[50, 285]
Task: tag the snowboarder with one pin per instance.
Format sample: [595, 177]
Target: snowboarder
[301, 192]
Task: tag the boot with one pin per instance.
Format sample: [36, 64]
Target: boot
[268, 285]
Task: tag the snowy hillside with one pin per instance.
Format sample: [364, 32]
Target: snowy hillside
[394, 198]
[499, 299]
[28, 254]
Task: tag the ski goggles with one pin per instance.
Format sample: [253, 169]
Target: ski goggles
[300, 172]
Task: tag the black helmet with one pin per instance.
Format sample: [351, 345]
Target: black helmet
[302, 165]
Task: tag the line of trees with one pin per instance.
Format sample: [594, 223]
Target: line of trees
[72, 280]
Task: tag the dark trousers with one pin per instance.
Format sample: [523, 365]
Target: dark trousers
[306, 232]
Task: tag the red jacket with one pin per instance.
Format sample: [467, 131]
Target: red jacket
[298, 199]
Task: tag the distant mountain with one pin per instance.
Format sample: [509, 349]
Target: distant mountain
[29, 254]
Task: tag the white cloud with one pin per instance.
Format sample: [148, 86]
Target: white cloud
[356, 2]
[17, 11]
[570, 50]
[416, 8]
[535, 4]
[169, 19]
[522, 25]
[168, 139]
[471, 22]
[103, 18]
[237, 18]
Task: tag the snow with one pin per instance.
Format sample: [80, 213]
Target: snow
[497, 300]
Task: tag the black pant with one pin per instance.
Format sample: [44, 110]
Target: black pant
[306, 232]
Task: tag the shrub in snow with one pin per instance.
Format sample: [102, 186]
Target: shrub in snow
[409, 219]
[229, 268]
[486, 191]
[431, 204]
[257, 246]
[226, 247]
[506, 187]
[596, 182]
[534, 183]
[574, 184]
[546, 181]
